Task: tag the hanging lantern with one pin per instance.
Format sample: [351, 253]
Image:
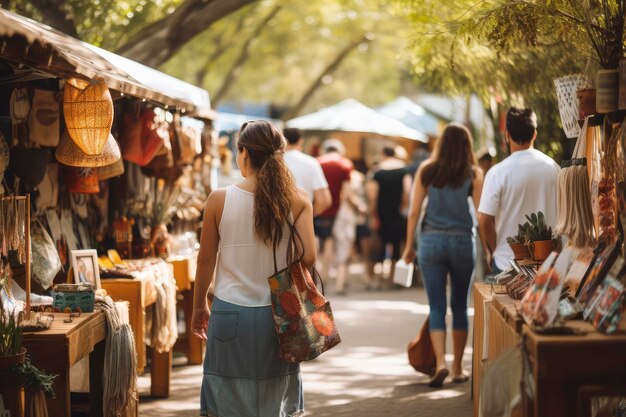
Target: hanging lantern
[68, 153]
[88, 109]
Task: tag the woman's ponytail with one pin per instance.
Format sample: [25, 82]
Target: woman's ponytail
[275, 189]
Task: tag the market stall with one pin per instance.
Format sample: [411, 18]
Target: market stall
[362, 130]
[113, 156]
[550, 333]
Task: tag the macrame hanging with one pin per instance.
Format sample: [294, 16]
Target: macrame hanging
[88, 109]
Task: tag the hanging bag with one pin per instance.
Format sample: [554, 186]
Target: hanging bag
[43, 121]
[143, 138]
[574, 210]
[421, 352]
[303, 318]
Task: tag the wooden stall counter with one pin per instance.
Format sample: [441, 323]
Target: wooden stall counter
[496, 329]
[141, 293]
[565, 368]
[185, 275]
[58, 348]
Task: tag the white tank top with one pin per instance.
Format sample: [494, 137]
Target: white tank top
[244, 262]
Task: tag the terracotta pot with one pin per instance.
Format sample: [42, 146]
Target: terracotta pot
[586, 102]
[520, 250]
[12, 385]
[607, 90]
[541, 249]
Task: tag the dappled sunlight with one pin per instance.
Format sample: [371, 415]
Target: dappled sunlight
[441, 394]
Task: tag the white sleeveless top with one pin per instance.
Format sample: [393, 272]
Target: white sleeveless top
[244, 262]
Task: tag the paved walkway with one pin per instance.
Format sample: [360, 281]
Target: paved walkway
[366, 375]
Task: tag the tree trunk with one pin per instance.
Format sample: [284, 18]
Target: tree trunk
[317, 83]
[59, 14]
[235, 69]
[158, 42]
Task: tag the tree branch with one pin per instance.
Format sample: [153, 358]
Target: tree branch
[57, 13]
[235, 69]
[220, 48]
[158, 42]
[318, 82]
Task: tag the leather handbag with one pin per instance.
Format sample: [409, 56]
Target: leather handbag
[142, 139]
[303, 318]
[421, 353]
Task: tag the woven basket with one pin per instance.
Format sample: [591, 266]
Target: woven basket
[88, 110]
[110, 171]
[69, 153]
[566, 88]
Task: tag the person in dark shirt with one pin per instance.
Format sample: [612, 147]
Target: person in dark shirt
[388, 194]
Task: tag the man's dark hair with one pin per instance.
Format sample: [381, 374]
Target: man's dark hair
[486, 157]
[292, 135]
[389, 151]
[521, 124]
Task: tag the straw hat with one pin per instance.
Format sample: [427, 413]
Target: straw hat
[69, 153]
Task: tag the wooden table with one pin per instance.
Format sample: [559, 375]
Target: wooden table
[567, 367]
[140, 294]
[496, 329]
[185, 276]
[55, 351]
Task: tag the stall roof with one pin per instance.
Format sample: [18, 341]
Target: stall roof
[411, 114]
[352, 116]
[24, 41]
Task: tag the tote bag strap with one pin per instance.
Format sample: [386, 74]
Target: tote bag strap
[293, 234]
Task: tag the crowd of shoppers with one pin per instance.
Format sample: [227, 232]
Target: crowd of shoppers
[341, 212]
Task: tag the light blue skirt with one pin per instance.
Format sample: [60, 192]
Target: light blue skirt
[243, 374]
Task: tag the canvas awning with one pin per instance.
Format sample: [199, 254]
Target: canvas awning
[43, 48]
[411, 114]
[352, 116]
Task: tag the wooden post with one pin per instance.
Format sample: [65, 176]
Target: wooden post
[27, 251]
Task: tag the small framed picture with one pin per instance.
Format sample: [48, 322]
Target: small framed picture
[85, 267]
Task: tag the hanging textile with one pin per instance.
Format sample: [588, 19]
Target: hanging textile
[119, 378]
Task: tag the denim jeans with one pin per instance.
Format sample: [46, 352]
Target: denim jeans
[442, 253]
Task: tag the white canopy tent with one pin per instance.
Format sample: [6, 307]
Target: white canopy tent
[352, 116]
[411, 114]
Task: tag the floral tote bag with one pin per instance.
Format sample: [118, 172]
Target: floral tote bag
[303, 318]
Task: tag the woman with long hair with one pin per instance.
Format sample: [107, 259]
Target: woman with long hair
[446, 247]
[243, 373]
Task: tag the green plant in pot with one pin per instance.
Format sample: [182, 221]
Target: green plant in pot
[12, 354]
[518, 242]
[539, 236]
[16, 370]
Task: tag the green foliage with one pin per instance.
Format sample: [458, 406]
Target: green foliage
[36, 379]
[537, 229]
[520, 237]
[297, 45]
[10, 332]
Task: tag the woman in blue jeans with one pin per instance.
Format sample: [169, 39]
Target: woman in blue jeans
[446, 246]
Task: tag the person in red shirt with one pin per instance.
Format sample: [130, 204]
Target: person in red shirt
[337, 169]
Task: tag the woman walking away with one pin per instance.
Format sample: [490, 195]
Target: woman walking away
[446, 244]
[243, 373]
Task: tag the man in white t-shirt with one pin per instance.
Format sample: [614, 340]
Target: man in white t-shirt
[307, 171]
[523, 183]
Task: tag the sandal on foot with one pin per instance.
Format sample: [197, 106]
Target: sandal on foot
[459, 379]
[437, 380]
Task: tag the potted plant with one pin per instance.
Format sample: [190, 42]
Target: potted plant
[11, 354]
[16, 371]
[539, 236]
[518, 242]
